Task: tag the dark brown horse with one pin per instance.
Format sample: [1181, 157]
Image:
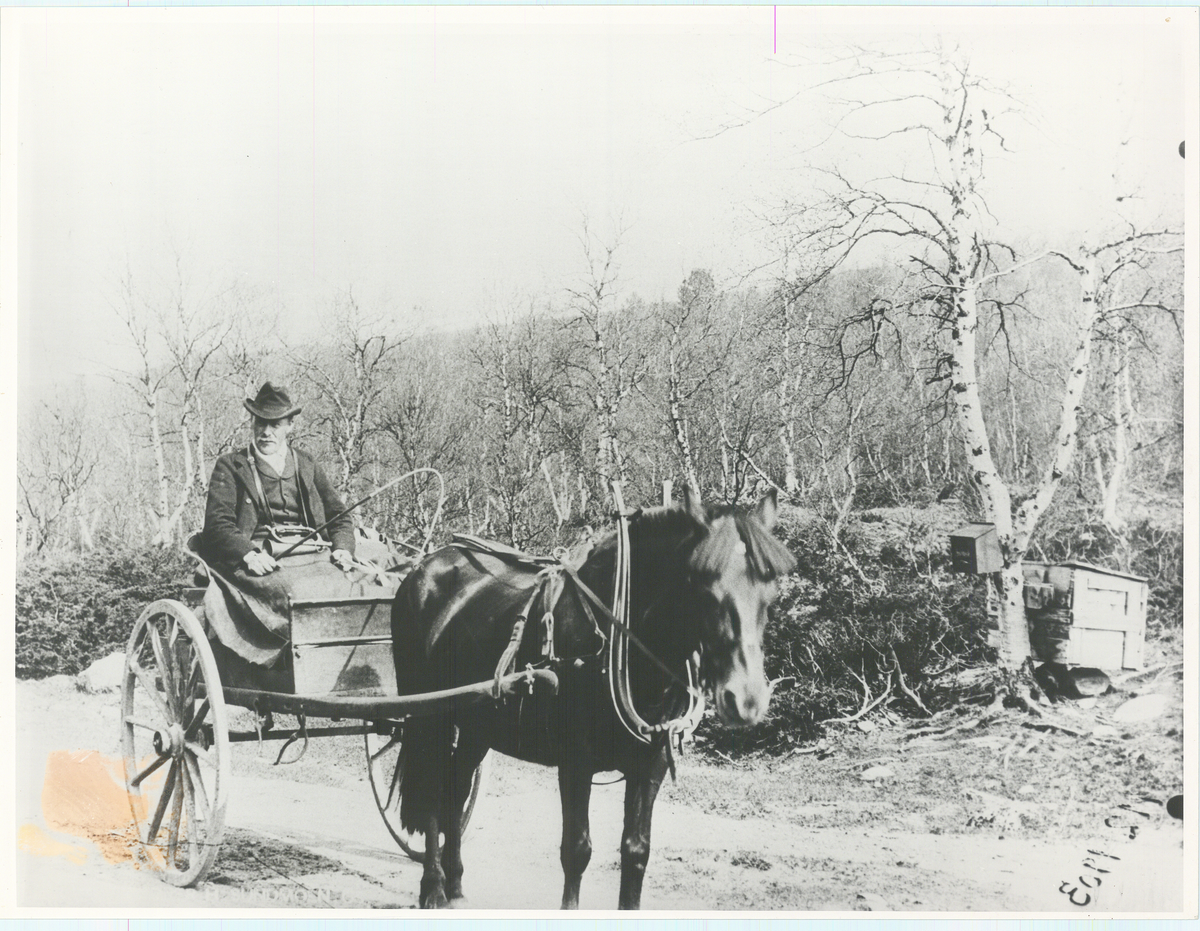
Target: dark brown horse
[699, 586]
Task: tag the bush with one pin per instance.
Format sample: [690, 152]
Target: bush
[833, 635]
[72, 609]
[1149, 547]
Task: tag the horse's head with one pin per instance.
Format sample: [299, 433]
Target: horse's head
[733, 574]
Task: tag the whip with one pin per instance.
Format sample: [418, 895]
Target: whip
[378, 491]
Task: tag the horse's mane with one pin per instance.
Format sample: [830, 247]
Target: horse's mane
[767, 557]
[726, 540]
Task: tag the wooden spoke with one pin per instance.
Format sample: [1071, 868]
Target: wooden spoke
[176, 823]
[161, 810]
[197, 719]
[197, 782]
[173, 677]
[140, 777]
[150, 688]
[164, 671]
[130, 719]
[201, 754]
[194, 834]
[193, 678]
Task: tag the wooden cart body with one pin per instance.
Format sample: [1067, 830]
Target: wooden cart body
[336, 647]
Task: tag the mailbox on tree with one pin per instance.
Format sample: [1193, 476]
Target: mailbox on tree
[975, 548]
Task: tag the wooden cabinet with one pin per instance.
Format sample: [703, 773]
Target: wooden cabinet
[1087, 615]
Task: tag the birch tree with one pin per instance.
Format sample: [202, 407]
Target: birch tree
[176, 328]
[521, 379]
[349, 377]
[934, 208]
[1127, 274]
[612, 362]
[693, 348]
[57, 458]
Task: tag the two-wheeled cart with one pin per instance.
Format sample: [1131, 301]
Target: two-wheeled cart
[179, 684]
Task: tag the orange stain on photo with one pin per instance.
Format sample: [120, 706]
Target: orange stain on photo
[83, 795]
[34, 840]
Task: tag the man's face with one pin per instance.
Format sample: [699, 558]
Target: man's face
[270, 436]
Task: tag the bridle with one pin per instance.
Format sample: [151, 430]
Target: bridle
[677, 729]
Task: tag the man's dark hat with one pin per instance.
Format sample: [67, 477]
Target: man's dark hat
[272, 403]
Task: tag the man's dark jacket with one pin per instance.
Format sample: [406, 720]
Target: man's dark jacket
[235, 509]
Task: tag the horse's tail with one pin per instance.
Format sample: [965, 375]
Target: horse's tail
[424, 759]
[436, 775]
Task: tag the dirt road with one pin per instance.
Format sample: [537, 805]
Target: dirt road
[310, 837]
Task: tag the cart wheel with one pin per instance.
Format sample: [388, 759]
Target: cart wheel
[175, 741]
[384, 770]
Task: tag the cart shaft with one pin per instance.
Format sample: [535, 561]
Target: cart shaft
[400, 706]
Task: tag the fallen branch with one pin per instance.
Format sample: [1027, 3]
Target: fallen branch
[969, 724]
[866, 708]
[1130, 676]
[799, 751]
[1045, 725]
[904, 687]
[858, 763]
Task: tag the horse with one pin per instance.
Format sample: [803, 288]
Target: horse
[700, 581]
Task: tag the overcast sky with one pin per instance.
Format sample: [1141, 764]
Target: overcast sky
[442, 158]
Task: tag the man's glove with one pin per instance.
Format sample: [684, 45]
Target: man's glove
[342, 559]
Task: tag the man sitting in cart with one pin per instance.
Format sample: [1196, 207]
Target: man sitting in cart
[258, 495]
[259, 547]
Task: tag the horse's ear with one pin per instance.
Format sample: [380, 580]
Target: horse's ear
[693, 505]
[767, 509]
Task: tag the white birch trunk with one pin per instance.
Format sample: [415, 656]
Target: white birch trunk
[962, 229]
[679, 429]
[162, 509]
[1032, 509]
[1122, 410]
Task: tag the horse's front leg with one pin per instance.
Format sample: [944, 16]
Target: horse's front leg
[641, 788]
[575, 793]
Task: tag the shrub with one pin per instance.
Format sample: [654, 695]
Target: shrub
[1149, 547]
[834, 635]
[72, 609]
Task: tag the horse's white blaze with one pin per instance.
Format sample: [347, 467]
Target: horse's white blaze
[744, 696]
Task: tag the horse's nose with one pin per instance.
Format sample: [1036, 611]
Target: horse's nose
[743, 706]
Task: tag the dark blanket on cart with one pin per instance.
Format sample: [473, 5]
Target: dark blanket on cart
[249, 613]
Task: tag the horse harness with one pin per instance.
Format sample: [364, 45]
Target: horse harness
[553, 576]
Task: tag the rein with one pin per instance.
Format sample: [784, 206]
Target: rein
[676, 729]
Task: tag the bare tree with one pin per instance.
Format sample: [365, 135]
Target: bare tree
[694, 349]
[57, 458]
[940, 217]
[176, 328]
[1127, 287]
[614, 361]
[521, 389]
[350, 378]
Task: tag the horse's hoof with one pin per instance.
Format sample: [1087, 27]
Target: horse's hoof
[458, 902]
[434, 899]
